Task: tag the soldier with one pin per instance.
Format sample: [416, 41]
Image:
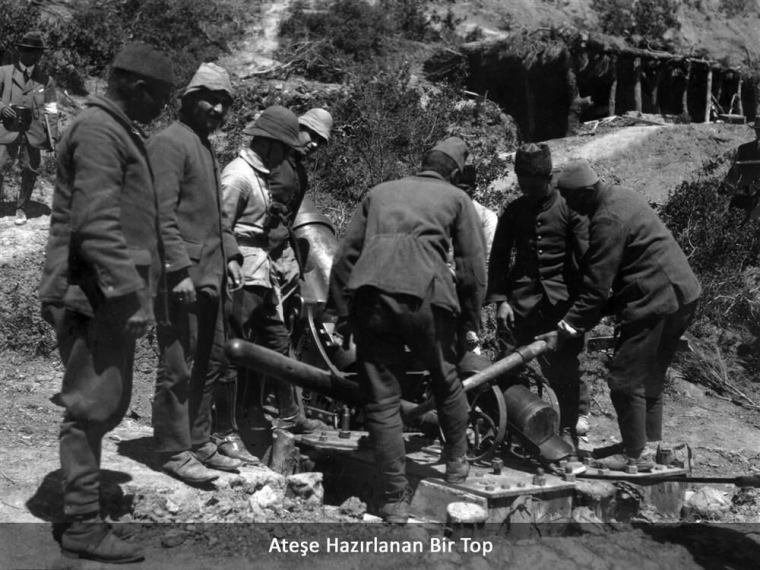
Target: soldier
[654, 295]
[202, 260]
[392, 267]
[102, 269]
[743, 179]
[286, 187]
[534, 292]
[29, 115]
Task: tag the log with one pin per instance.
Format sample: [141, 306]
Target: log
[739, 104]
[637, 84]
[708, 96]
[613, 89]
[685, 96]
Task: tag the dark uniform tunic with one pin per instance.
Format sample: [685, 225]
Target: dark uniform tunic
[548, 240]
[654, 294]
[392, 265]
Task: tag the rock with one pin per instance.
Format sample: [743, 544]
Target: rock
[353, 507]
[307, 487]
[708, 502]
[267, 497]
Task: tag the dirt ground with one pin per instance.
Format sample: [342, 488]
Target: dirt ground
[177, 525]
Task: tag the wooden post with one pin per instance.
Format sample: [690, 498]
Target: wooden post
[685, 96]
[656, 89]
[739, 104]
[613, 88]
[637, 84]
[708, 96]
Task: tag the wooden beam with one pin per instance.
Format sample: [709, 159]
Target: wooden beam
[637, 84]
[613, 89]
[656, 90]
[739, 104]
[685, 95]
[708, 95]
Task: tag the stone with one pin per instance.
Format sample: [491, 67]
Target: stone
[306, 487]
[267, 497]
[708, 502]
[353, 507]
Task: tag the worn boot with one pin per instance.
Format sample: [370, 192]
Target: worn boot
[570, 438]
[232, 446]
[457, 470]
[299, 424]
[395, 508]
[90, 538]
[209, 455]
[186, 467]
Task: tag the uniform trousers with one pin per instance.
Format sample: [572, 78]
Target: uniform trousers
[643, 352]
[97, 386]
[185, 380]
[385, 323]
[30, 158]
[254, 316]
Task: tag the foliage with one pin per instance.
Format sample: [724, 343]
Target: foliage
[189, 31]
[722, 250]
[737, 8]
[648, 19]
[327, 44]
[15, 23]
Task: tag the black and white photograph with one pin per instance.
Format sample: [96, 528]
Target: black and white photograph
[317, 284]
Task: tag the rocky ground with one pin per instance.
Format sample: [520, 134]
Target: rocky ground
[179, 526]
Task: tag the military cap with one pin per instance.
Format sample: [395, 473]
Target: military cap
[577, 174]
[276, 122]
[212, 77]
[145, 60]
[319, 121]
[533, 160]
[455, 148]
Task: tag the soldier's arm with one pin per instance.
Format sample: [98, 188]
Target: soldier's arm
[470, 263]
[346, 257]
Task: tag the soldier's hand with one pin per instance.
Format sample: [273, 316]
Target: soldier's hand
[184, 291]
[505, 316]
[139, 322]
[552, 339]
[345, 330]
[235, 275]
[8, 113]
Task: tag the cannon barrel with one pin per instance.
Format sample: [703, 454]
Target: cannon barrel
[339, 386]
[274, 364]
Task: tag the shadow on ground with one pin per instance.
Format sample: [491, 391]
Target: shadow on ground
[713, 546]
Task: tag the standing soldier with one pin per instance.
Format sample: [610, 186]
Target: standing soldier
[391, 277]
[654, 295]
[534, 292]
[201, 255]
[102, 269]
[285, 187]
[29, 117]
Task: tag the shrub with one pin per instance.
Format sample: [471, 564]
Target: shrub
[722, 249]
[649, 19]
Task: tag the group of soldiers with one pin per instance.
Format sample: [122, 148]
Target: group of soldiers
[156, 233]
[152, 233]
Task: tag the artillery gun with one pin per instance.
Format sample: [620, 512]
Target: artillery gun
[500, 400]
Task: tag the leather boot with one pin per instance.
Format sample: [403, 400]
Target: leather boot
[186, 467]
[395, 509]
[209, 455]
[90, 538]
[457, 470]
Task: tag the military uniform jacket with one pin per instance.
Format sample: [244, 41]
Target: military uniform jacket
[104, 240]
[741, 175]
[40, 89]
[633, 253]
[548, 240]
[398, 242]
[195, 228]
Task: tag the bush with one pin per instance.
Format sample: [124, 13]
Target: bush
[722, 249]
[649, 19]
[189, 31]
[328, 43]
